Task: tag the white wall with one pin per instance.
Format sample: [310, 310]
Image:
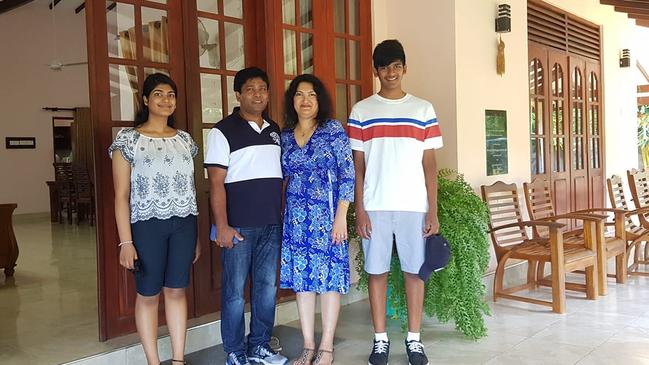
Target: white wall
[26, 36]
[479, 88]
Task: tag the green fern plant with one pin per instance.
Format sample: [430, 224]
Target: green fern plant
[457, 292]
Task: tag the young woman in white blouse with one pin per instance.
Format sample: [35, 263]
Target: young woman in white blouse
[155, 211]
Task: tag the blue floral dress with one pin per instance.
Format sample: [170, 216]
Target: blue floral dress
[319, 175]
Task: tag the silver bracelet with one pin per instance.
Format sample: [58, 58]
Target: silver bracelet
[123, 243]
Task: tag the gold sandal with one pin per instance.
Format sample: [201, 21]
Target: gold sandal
[318, 357]
[306, 358]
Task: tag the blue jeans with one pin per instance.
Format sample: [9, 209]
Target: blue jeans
[258, 255]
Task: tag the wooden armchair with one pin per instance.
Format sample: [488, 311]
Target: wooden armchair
[511, 241]
[8, 244]
[636, 233]
[538, 198]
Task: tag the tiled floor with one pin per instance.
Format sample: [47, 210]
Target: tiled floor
[48, 310]
[611, 330]
[48, 315]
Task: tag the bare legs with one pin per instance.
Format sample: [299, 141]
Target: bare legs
[378, 288]
[378, 285]
[146, 321]
[176, 315]
[330, 307]
[306, 310]
[415, 298]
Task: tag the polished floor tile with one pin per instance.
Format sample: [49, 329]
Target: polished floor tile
[48, 315]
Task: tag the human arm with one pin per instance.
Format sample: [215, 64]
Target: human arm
[345, 177]
[363, 224]
[122, 186]
[284, 185]
[197, 252]
[218, 203]
[429, 162]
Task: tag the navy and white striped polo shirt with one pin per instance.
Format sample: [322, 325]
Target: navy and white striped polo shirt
[251, 155]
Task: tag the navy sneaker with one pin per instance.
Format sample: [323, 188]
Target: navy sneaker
[380, 353]
[263, 354]
[415, 351]
[237, 358]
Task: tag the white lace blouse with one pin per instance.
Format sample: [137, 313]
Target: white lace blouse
[162, 174]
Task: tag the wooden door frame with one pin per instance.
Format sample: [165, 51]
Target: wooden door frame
[114, 316]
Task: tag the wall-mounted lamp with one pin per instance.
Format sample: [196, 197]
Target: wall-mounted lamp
[625, 58]
[503, 25]
[504, 19]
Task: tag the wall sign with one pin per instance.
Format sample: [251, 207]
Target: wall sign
[20, 142]
[496, 141]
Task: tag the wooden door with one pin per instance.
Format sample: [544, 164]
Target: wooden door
[594, 133]
[201, 44]
[127, 40]
[539, 152]
[221, 37]
[578, 139]
[559, 131]
[331, 39]
[566, 128]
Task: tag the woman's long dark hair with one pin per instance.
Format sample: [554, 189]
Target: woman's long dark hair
[150, 83]
[324, 101]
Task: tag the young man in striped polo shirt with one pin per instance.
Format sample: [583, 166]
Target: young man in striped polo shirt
[243, 164]
[393, 137]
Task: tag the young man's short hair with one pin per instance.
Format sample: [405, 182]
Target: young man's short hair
[242, 76]
[388, 51]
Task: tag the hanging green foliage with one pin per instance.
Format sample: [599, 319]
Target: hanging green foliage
[457, 292]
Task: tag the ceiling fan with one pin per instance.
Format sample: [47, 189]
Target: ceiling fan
[56, 64]
[212, 49]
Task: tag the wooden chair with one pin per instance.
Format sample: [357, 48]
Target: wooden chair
[84, 195]
[636, 233]
[538, 198]
[65, 197]
[8, 244]
[64, 183]
[511, 241]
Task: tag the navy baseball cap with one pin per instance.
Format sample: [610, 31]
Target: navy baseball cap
[438, 254]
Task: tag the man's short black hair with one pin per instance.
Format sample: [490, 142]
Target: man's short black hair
[388, 51]
[247, 74]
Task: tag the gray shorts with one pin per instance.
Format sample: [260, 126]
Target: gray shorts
[407, 228]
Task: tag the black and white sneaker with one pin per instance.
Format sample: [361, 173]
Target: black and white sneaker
[380, 353]
[415, 351]
[263, 354]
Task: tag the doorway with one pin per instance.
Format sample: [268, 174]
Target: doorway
[566, 126]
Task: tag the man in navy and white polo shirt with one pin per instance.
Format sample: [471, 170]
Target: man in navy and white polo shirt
[243, 164]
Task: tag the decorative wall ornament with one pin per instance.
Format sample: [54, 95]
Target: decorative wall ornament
[503, 25]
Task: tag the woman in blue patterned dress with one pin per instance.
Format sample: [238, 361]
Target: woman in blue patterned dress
[319, 179]
[155, 212]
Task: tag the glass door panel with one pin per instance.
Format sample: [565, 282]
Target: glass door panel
[155, 29]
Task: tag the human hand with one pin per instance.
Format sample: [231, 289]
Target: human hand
[431, 224]
[127, 255]
[363, 224]
[197, 252]
[225, 237]
[339, 231]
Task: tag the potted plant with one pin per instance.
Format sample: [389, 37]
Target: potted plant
[456, 293]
